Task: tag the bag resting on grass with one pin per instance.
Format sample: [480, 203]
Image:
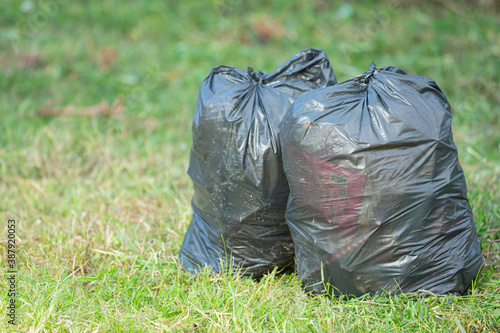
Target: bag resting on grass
[240, 189]
[378, 200]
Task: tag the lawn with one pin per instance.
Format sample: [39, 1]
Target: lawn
[102, 202]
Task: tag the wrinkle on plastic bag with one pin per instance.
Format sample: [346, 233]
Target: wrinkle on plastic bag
[240, 189]
[378, 200]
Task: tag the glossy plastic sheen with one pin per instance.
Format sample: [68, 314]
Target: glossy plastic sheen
[378, 200]
[240, 187]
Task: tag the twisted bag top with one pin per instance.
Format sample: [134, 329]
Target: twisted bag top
[240, 187]
[378, 199]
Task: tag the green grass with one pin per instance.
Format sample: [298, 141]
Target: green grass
[102, 203]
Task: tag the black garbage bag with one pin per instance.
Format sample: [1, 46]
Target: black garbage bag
[240, 189]
[378, 200]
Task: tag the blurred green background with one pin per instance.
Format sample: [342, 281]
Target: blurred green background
[84, 184]
[155, 53]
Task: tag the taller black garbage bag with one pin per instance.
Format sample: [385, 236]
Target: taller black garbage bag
[240, 189]
[378, 200]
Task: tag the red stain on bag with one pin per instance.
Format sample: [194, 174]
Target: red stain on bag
[333, 191]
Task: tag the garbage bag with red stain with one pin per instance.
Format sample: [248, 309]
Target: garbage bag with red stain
[378, 200]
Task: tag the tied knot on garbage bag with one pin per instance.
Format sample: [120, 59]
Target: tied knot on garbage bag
[369, 73]
[257, 77]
